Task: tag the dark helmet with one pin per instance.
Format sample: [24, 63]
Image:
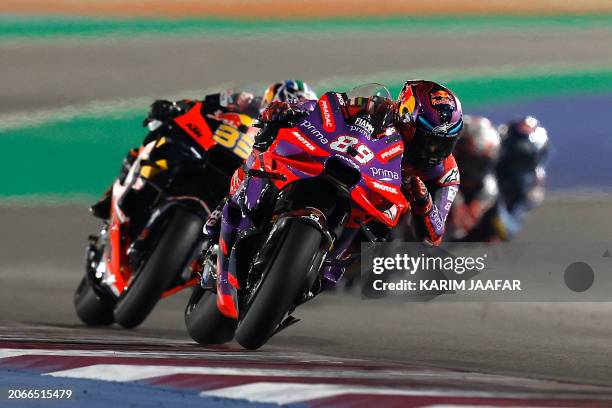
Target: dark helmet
[429, 117]
[477, 150]
[286, 90]
[524, 145]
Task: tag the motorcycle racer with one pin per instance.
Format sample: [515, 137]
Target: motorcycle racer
[429, 118]
[477, 152]
[213, 105]
[521, 173]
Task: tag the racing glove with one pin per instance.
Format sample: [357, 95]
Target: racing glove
[276, 112]
[418, 195]
[274, 117]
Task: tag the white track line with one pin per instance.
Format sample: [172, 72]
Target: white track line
[231, 355]
[128, 372]
[137, 372]
[125, 372]
[288, 393]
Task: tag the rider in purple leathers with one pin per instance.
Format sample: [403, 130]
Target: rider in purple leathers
[429, 118]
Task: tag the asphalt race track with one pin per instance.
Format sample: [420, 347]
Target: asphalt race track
[415, 353]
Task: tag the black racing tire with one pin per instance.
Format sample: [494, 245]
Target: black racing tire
[166, 261]
[205, 323]
[282, 284]
[91, 308]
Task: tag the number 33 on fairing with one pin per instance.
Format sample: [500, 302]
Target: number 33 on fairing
[231, 137]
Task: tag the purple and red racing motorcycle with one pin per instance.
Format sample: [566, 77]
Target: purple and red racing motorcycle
[295, 222]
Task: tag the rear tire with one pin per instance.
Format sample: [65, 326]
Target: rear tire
[166, 261]
[282, 284]
[205, 324]
[92, 309]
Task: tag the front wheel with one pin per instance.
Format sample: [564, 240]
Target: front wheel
[282, 283]
[92, 309]
[165, 262]
[205, 323]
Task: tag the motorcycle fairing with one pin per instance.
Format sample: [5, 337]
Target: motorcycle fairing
[304, 150]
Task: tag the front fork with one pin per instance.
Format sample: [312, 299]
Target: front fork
[95, 264]
[227, 281]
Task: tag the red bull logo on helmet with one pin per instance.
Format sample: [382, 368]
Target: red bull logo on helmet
[441, 97]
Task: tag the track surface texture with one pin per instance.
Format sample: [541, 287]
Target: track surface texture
[455, 347]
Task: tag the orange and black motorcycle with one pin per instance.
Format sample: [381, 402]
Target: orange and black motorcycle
[145, 251]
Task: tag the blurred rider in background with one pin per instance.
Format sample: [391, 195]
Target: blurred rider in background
[521, 173]
[477, 154]
[213, 105]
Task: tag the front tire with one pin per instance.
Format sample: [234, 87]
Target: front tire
[166, 261]
[282, 284]
[205, 323]
[92, 309]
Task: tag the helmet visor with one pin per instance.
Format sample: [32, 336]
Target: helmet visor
[433, 147]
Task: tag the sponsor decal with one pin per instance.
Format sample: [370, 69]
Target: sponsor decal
[365, 125]
[407, 104]
[391, 213]
[441, 98]
[436, 220]
[442, 128]
[340, 99]
[304, 141]
[357, 129]
[391, 152]
[348, 160]
[232, 119]
[326, 115]
[384, 187]
[451, 176]
[452, 193]
[314, 132]
[384, 173]
[194, 128]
